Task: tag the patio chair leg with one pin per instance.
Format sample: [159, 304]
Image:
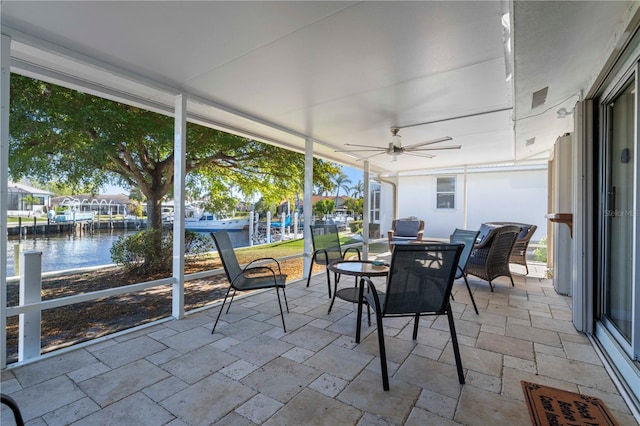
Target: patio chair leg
[383, 353]
[415, 327]
[333, 299]
[512, 284]
[285, 299]
[13, 406]
[313, 259]
[456, 349]
[491, 286]
[231, 301]
[470, 294]
[220, 312]
[329, 282]
[280, 305]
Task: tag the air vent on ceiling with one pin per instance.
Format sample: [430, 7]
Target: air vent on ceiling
[530, 141]
[539, 97]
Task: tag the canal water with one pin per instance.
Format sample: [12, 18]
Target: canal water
[69, 251]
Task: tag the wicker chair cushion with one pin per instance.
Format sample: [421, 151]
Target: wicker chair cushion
[524, 230]
[407, 228]
[485, 229]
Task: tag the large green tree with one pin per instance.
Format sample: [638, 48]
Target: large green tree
[59, 134]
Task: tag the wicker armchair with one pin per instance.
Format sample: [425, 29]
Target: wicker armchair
[519, 252]
[489, 258]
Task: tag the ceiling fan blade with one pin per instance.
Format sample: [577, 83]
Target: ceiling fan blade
[435, 148]
[370, 148]
[419, 154]
[359, 150]
[429, 142]
[366, 158]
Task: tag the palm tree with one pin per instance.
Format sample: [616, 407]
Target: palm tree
[357, 190]
[341, 181]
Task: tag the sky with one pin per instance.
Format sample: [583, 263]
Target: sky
[354, 176]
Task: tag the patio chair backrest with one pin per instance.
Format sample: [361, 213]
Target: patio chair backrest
[503, 244]
[227, 255]
[421, 278]
[326, 237]
[468, 238]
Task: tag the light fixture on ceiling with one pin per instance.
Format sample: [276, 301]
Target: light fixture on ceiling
[563, 113]
[506, 41]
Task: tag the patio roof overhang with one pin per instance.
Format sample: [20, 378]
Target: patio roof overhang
[335, 72]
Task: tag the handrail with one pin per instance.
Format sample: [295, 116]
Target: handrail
[31, 308]
[94, 295]
[84, 297]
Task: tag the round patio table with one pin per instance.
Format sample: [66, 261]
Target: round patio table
[357, 268]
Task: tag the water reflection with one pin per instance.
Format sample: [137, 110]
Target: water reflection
[69, 251]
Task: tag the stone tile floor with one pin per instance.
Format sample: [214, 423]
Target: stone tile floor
[251, 372]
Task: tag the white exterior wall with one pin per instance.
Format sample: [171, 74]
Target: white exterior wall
[516, 196]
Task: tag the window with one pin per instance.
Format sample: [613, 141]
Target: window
[446, 192]
[374, 188]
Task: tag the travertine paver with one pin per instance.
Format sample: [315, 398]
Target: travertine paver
[176, 373]
[194, 366]
[121, 382]
[479, 407]
[281, 379]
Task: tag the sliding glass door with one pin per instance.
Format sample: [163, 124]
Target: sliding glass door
[618, 288]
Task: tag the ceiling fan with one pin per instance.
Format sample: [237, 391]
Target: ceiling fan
[395, 147]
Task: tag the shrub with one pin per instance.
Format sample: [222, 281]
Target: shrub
[195, 243]
[151, 251]
[145, 252]
[355, 226]
[541, 252]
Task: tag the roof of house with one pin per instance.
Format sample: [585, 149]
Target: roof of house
[21, 187]
[88, 198]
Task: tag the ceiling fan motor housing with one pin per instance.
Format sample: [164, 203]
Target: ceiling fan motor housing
[394, 148]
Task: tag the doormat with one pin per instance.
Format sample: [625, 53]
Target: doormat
[551, 406]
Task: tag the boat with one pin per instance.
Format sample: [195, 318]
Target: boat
[208, 222]
[277, 223]
[72, 216]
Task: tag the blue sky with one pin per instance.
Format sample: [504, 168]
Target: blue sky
[354, 175]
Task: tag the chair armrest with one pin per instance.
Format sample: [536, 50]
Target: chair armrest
[266, 272]
[372, 295]
[357, 250]
[420, 235]
[390, 234]
[326, 255]
[262, 259]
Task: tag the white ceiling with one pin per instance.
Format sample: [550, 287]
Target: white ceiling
[333, 72]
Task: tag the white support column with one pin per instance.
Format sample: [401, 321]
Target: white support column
[30, 292]
[464, 200]
[366, 212]
[179, 161]
[5, 74]
[307, 202]
[283, 219]
[252, 232]
[269, 227]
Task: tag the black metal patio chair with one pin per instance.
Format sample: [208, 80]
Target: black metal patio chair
[419, 283]
[250, 277]
[13, 406]
[326, 249]
[468, 238]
